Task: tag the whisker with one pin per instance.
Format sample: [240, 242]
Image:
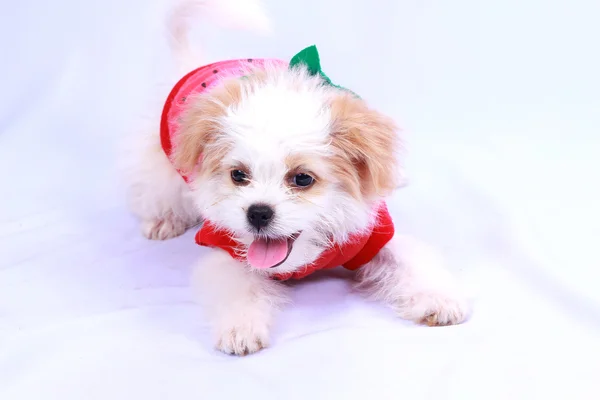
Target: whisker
[311, 202]
[215, 203]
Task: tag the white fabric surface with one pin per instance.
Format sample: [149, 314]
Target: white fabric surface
[500, 105]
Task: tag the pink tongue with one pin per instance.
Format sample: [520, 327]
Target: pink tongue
[264, 253]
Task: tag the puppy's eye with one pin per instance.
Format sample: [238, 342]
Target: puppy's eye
[239, 176]
[303, 180]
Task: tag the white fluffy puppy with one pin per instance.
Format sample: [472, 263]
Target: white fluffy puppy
[289, 173]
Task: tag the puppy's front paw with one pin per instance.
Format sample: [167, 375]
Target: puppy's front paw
[435, 309]
[164, 228]
[243, 338]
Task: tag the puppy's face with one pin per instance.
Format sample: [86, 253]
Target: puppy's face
[287, 165]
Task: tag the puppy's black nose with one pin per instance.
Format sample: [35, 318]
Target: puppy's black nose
[259, 215]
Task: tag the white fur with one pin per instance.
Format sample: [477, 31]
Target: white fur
[236, 14]
[286, 115]
[411, 278]
[157, 194]
[239, 304]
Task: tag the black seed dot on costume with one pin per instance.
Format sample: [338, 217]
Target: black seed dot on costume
[215, 71]
[183, 99]
[249, 60]
[203, 84]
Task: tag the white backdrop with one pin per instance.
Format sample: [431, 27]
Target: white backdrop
[500, 105]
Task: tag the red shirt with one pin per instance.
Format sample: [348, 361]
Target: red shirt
[358, 251]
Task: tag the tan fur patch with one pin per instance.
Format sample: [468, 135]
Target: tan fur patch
[200, 129]
[367, 144]
[294, 161]
[302, 163]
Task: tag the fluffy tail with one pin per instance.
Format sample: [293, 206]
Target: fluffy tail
[233, 14]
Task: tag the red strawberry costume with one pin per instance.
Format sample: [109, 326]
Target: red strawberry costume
[358, 251]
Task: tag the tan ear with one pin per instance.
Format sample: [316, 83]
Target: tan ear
[368, 141]
[200, 128]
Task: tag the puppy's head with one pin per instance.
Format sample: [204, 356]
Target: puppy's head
[287, 164]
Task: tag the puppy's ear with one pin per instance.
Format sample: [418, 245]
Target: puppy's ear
[367, 141]
[197, 142]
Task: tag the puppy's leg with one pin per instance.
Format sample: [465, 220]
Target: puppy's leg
[240, 304]
[411, 278]
[157, 193]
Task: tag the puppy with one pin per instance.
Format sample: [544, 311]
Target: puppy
[289, 173]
